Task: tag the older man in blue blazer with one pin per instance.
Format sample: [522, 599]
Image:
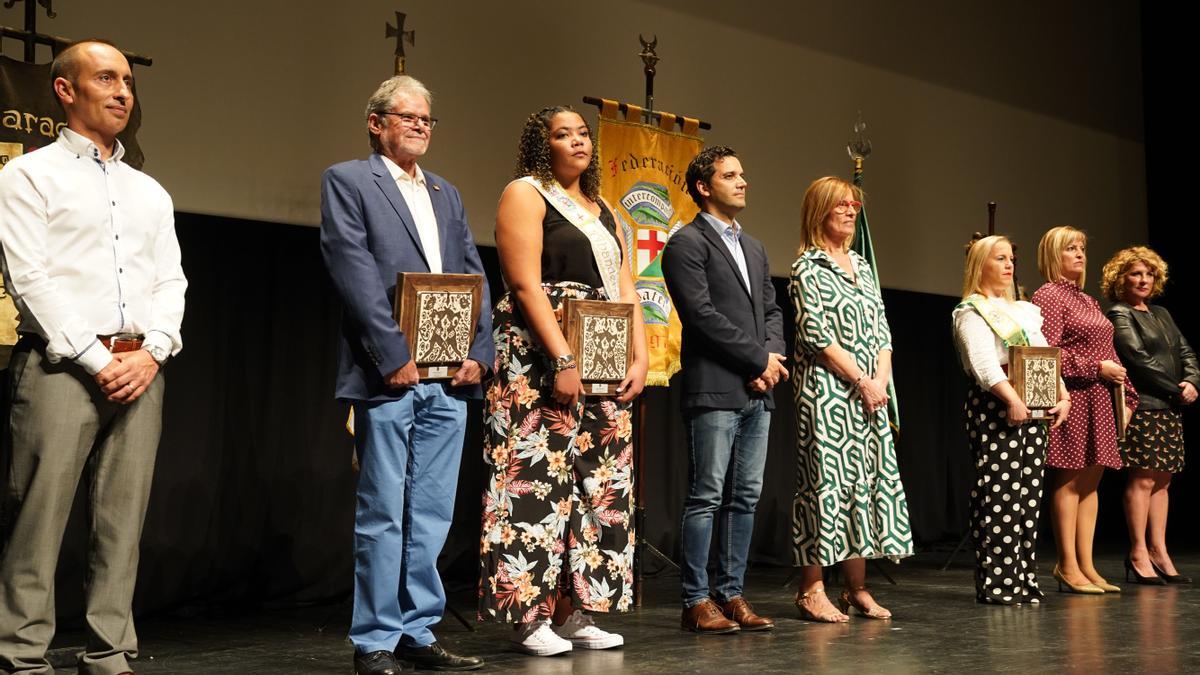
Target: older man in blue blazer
[381, 216]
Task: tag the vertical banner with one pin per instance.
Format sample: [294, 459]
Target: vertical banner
[643, 169]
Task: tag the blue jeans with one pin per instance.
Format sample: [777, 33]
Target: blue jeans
[409, 452]
[727, 454]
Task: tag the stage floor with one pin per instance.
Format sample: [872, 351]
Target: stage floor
[938, 627]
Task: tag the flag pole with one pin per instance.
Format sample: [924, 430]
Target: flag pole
[641, 547]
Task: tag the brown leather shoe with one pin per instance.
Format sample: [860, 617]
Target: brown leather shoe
[740, 611]
[705, 618]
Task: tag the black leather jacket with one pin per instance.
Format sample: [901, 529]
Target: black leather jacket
[1155, 354]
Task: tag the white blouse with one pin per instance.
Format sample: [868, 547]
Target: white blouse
[981, 351]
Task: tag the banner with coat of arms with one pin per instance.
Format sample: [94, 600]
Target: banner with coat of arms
[642, 178]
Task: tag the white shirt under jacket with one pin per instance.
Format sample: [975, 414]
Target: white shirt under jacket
[415, 192]
[981, 351]
[89, 248]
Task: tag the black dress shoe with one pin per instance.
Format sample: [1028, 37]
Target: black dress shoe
[435, 657]
[381, 662]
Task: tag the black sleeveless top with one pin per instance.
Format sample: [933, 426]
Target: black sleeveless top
[567, 252]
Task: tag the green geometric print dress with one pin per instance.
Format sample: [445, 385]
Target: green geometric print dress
[849, 500]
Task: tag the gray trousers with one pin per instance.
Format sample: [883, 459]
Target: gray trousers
[60, 426]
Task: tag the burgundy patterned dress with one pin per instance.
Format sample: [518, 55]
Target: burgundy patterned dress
[1073, 321]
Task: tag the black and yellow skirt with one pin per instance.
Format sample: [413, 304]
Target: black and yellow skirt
[1154, 440]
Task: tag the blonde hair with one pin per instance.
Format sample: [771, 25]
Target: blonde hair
[819, 199]
[1116, 268]
[977, 255]
[1050, 250]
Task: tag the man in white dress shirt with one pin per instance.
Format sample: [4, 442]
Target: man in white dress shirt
[91, 259]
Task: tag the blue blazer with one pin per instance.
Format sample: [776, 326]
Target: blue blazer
[727, 329]
[367, 237]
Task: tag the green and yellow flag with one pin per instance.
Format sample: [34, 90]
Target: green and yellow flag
[862, 245]
[643, 169]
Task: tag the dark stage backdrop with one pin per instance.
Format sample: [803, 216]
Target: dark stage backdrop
[253, 498]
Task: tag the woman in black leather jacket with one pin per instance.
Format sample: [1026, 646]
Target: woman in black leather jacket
[1163, 369]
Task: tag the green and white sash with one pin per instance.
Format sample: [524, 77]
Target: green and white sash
[1002, 324]
[604, 247]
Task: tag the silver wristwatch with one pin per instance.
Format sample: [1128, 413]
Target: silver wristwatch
[157, 353]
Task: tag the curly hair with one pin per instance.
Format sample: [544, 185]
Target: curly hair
[533, 152]
[1121, 262]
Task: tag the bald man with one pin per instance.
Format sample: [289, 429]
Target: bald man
[91, 259]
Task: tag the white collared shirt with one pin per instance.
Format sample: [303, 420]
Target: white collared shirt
[732, 236]
[89, 249]
[416, 195]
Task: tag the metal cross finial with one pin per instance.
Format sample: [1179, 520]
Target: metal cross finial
[859, 147]
[649, 57]
[50, 13]
[401, 36]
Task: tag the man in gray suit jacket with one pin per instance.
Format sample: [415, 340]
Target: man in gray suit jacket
[732, 356]
[381, 216]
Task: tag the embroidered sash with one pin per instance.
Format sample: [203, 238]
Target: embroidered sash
[605, 249]
[1004, 326]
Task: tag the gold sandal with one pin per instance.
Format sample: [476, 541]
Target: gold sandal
[876, 612]
[806, 613]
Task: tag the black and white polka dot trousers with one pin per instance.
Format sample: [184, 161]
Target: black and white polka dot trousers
[1005, 501]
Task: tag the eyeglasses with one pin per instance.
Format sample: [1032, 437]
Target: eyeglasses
[845, 205]
[411, 120]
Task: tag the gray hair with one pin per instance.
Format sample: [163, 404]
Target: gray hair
[382, 99]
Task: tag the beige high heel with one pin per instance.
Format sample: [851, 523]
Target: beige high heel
[1086, 589]
[876, 612]
[806, 613]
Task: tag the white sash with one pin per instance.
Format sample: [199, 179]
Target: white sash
[604, 247]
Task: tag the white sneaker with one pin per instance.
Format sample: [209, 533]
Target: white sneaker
[537, 639]
[583, 633]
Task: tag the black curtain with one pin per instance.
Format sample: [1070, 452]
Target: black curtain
[253, 500]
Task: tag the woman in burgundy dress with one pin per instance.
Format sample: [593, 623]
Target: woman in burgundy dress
[1087, 443]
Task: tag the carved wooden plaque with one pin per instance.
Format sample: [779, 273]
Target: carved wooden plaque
[600, 335]
[1034, 373]
[438, 314]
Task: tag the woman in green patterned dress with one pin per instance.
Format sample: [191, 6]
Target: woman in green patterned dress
[849, 503]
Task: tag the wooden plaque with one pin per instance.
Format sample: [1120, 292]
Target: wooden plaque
[1034, 372]
[438, 314]
[600, 335]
